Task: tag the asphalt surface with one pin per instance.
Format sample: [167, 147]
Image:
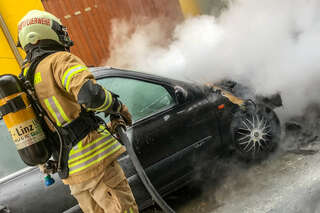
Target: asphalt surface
[286, 182]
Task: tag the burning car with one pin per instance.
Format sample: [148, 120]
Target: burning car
[176, 125]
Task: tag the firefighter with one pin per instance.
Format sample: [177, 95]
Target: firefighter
[69, 95]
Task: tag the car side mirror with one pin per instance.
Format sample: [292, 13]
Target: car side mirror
[181, 94]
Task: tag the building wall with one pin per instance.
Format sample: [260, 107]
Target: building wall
[89, 22]
[196, 7]
[190, 7]
[12, 11]
[212, 7]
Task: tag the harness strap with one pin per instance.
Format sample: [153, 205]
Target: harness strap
[80, 127]
[12, 105]
[73, 133]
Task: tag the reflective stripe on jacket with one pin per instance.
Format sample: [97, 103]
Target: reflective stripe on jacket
[130, 210]
[56, 111]
[69, 73]
[106, 104]
[58, 80]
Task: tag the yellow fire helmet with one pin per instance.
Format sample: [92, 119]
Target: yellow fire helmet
[38, 26]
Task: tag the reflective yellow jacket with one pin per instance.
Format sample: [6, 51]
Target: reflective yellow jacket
[58, 79]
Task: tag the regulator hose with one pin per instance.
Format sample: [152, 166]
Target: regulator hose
[141, 173]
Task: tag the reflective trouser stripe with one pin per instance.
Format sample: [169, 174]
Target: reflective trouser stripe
[67, 76]
[76, 147]
[84, 152]
[80, 148]
[95, 157]
[56, 111]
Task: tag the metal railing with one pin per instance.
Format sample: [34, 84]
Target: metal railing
[10, 40]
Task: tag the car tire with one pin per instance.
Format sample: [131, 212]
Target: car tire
[256, 132]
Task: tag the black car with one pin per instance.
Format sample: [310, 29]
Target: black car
[177, 125]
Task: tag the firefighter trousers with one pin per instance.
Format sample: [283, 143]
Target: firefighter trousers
[109, 192]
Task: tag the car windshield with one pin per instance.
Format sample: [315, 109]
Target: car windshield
[142, 98]
[9, 158]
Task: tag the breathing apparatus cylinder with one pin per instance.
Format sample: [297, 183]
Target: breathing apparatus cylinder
[22, 122]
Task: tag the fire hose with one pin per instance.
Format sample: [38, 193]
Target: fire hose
[141, 173]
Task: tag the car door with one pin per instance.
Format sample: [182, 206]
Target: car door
[22, 188]
[167, 134]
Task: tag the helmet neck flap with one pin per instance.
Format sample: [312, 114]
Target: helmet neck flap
[43, 47]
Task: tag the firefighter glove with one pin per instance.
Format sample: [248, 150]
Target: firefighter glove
[125, 114]
[115, 122]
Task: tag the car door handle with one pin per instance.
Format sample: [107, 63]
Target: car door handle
[4, 209]
[199, 143]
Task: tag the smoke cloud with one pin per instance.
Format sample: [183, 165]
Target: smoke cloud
[270, 45]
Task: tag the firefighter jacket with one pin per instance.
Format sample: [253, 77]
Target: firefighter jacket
[57, 80]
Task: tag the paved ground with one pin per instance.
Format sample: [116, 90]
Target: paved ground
[287, 182]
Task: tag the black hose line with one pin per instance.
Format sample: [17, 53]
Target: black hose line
[141, 173]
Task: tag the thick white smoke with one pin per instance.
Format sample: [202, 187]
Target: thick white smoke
[271, 45]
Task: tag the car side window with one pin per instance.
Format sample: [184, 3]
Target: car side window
[9, 158]
[142, 98]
